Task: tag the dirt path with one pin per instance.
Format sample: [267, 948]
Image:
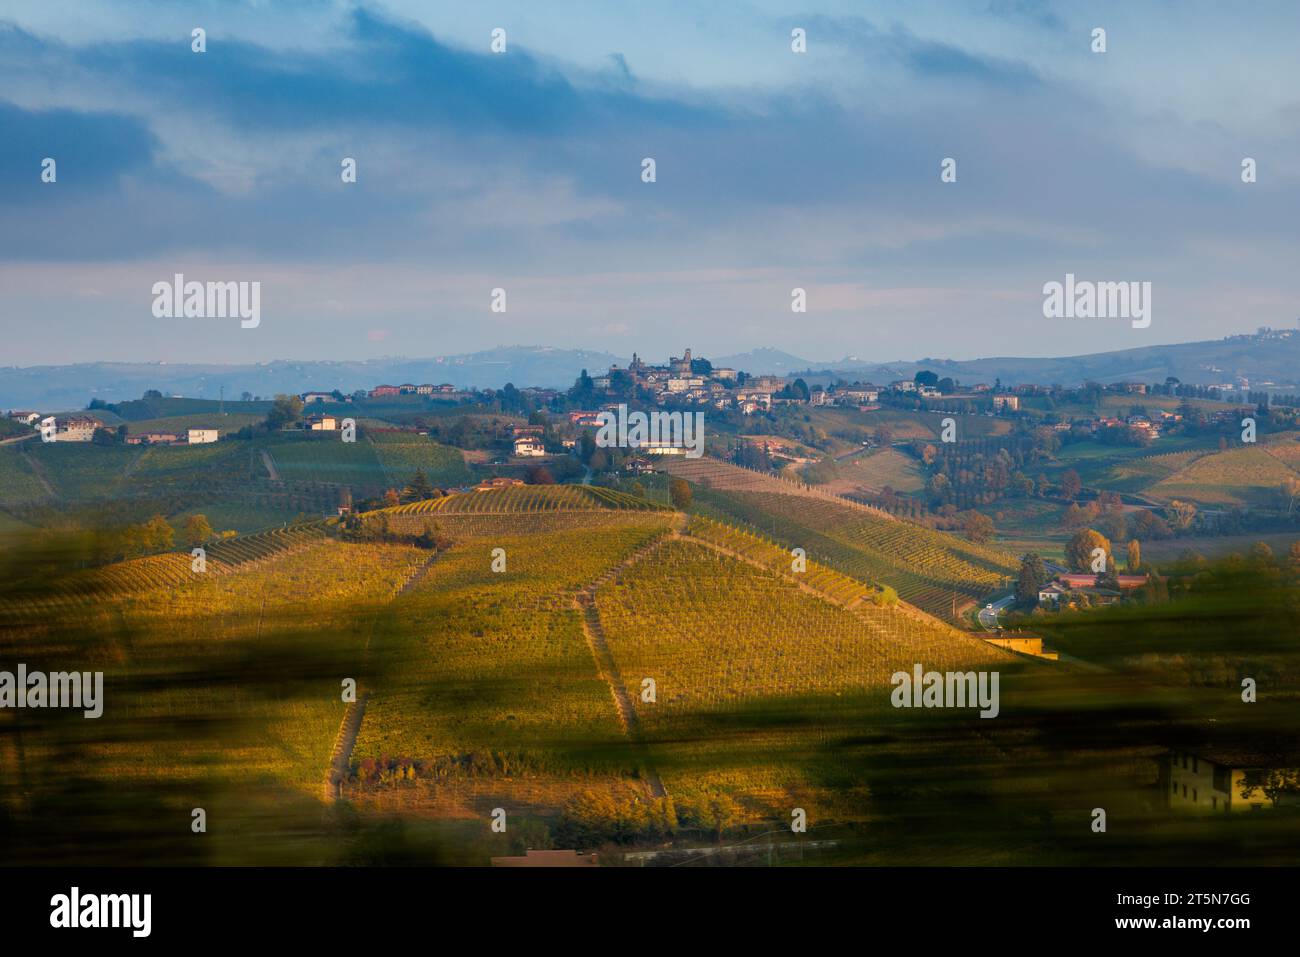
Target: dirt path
[269, 462]
[343, 745]
[350, 727]
[39, 471]
[608, 670]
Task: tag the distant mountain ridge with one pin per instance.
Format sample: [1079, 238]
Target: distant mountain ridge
[1270, 361]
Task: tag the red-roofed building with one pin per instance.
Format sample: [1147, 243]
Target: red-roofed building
[1089, 580]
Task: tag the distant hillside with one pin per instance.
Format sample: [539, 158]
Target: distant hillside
[1261, 359]
[52, 388]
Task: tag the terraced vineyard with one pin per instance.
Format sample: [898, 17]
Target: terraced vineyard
[715, 474]
[324, 457]
[261, 545]
[496, 663]
[377, 461]
[824, 579]
[104, 585]
[221, 690]
[926, 568]
[166, 576]
[725, 642]
[528, 498]
[79, 470]
[401, 454]
[712, 629]
[1240, 476]
[19, 482]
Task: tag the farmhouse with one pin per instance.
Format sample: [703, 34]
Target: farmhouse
[1009, 402]
[321, 423]
[24, 416]
[77, 429]
[1051, 594]
[203, 436]
[380, 391]
[1227, 779]
[529, 446]
[309, 397]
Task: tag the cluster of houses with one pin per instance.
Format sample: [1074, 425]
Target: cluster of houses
[1064, 590]
[686, 380]
[443, 391]
[81, 428]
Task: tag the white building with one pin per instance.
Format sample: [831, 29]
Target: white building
[203, 436]
[529, 446]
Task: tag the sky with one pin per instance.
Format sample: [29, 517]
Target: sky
[522, 171]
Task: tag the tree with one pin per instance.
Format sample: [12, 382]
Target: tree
[284, 410]
[539, 475]
[679, 491]
[1145, 523]
[1032, 578]
[391, 498]
[1113, 526]
[938, 487]
[1071, 484]
[1183, 514]
[1078, 551]
[418, 488]
[1273, 782]
[1133, 557]
[197, 530]
[978, 527]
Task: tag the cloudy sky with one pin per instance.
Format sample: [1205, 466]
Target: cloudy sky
[522, 171]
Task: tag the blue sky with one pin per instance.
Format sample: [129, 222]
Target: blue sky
[522, 171]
